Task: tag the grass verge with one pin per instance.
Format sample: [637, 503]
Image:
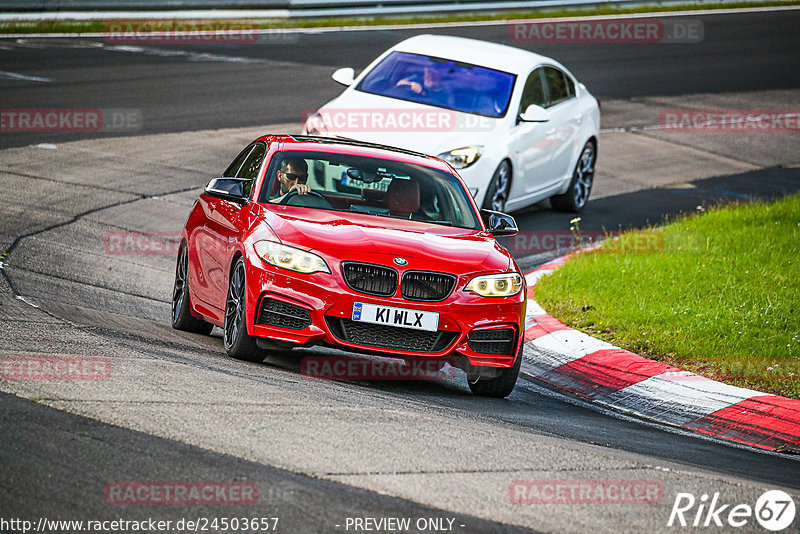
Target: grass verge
[717, 293]
[99, 26]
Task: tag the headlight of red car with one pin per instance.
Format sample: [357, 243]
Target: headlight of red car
[496, 285]
[293, 259]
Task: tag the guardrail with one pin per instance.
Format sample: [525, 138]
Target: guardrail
[102, 9]
[113, 5]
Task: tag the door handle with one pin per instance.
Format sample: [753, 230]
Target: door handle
[578, 118]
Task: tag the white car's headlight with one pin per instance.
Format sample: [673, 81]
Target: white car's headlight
[496, 285]
[315, 125]
[461, 158]
[290, 258]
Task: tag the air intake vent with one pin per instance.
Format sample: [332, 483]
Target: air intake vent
[274, 312]
[498, 341]
[389, 337]
[370, 279]
[424, 285]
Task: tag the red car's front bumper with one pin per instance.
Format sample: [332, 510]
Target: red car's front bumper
[308, 309]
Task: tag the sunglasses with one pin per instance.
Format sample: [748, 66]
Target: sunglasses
[295, 177]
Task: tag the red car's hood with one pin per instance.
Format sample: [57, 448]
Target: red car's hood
[357, 237]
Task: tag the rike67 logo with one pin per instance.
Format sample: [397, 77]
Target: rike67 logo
[774, 510]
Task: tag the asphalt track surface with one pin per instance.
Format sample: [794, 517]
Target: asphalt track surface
[41, 448]
[301, 503]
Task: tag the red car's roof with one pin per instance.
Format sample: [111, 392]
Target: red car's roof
[357, 148]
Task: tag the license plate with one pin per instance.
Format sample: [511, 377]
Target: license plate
[401, 317]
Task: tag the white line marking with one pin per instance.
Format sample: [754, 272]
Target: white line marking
[664, 426]
[561, 347]
[55, 43]
[26, 301]
[533, 277]
[23, 77]
[677, 397]
[191, 56]
[534, 310]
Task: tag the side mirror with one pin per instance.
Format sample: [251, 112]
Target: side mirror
[534, 113]
[228, 189]
[344, 76]
[499, 224]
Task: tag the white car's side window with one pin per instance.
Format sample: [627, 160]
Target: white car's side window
[559, 86]
[533, 92]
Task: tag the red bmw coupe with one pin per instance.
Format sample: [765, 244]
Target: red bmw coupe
[367, 248]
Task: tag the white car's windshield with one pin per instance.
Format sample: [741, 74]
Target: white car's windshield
[371, 186]
[442, 83]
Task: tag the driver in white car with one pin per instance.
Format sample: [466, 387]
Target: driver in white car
[292, 176]
[431, 86]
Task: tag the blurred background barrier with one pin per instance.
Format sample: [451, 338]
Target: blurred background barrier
[143, 9]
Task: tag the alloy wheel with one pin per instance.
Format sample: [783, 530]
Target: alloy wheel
[181, 271]
[584, 176]
[234, 306]
[502, 185]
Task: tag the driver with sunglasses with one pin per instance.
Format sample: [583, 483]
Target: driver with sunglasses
[292, 176]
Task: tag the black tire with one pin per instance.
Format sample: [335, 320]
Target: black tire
[502, 385]
[499, 188]
[580, 187]
[238, 343]
[182, 318]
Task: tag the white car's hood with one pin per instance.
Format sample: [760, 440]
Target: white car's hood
[394, 122]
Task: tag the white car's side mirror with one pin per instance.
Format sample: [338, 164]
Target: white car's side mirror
[534, 113]
[344, 76]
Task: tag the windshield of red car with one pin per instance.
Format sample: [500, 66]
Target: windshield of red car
[442, 83]
[370, 186]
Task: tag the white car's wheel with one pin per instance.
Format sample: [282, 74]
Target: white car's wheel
[499, 188]
[577, 195]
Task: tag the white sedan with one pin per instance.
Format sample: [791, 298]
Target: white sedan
[517, 126]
